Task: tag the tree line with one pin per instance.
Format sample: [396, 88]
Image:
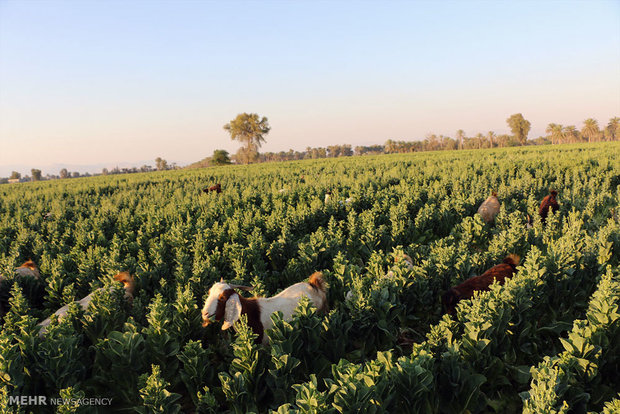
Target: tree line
[250, 129]
[36, 175]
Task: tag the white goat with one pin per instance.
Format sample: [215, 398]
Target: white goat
[125, 278]
[224, 303]
[407, 260]
[328, 195]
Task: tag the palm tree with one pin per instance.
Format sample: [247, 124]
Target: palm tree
[431, 142]
[479, 139]
[555, 131]
[460, 134]
[570, 134]
[612, 131]
[492, 137]
[590, 129]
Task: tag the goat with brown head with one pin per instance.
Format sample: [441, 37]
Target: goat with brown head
[466, 289]
[217, 188]
[549, 202]
[224, 304]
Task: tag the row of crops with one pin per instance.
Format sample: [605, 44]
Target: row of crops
[546, 341]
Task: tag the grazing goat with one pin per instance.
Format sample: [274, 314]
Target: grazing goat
[29, 270]
[466, 289]
[224, 303]
[125, 278]
[217, 188]
[328, 196]
[408, 261]
[547, 203]
[490, 208]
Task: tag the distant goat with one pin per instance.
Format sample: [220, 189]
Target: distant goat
[549, 202]
[124, 277]
[217, 188]
[29, 268]
[328, 196]
[466, 289]
[489, 208]
[224, 303]
[407, 260]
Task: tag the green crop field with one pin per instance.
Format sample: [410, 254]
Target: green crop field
[547, 341]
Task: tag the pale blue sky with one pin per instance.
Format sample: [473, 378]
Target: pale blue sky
[91, 82]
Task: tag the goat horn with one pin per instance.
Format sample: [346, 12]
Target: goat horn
[246, 288]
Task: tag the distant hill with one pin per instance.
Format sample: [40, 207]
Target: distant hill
[205, 162]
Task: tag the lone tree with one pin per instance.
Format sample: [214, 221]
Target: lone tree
[161, 164]
[520, 127]
[15, 175]
[220, 157]
[250, 129]
[460, 135]
[36, 174]
[64, 173]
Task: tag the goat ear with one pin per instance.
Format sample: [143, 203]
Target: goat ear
[232, 312]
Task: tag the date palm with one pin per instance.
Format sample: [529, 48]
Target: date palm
[479, 139]
[555, 132]
[492, 137]
[612, 131]
[460, 134]
[590, 129]
[570, 134]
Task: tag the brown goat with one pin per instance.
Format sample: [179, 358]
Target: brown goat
[29, 268]
[547, 203]
[217, 188]
[466, 289]
[489, 208]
